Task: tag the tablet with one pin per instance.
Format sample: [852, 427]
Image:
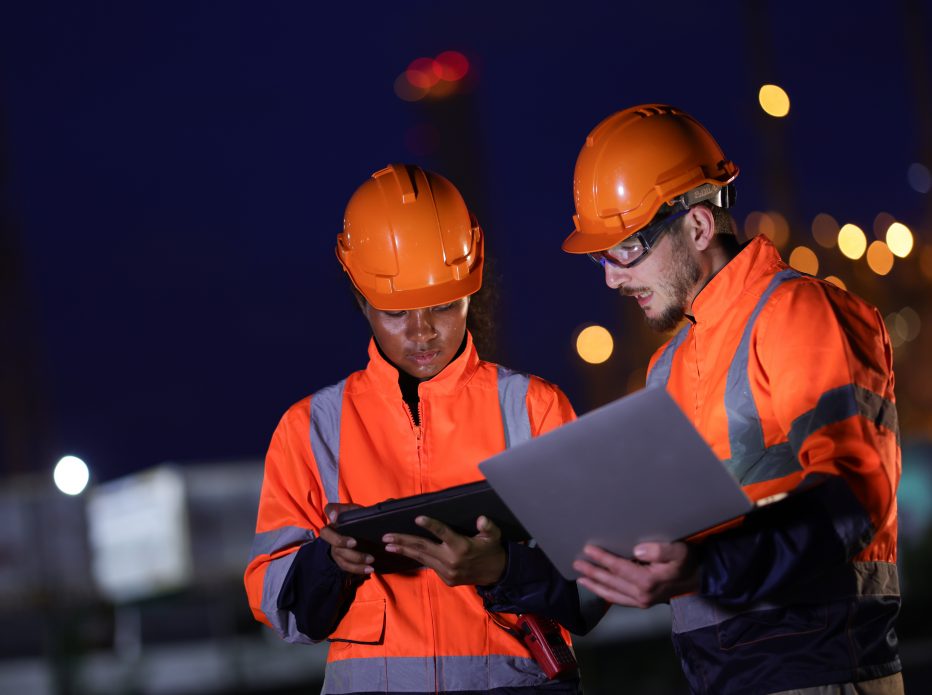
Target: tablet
[631, 471]
[458, 507]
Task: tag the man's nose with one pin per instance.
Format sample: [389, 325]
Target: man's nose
[614, 276]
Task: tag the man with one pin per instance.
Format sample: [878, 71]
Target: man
[790, 380]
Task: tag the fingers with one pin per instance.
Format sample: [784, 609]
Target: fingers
[343, 553]
[612, 578]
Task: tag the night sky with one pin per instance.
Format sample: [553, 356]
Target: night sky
[175, 174]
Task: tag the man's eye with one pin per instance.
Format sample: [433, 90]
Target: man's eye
[445, 307]
[394, 314]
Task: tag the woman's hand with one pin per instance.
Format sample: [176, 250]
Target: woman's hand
[341, 547]
[456, 559]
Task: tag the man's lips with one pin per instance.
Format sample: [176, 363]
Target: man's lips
[642, 295]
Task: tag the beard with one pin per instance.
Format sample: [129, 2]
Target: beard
[678, 287]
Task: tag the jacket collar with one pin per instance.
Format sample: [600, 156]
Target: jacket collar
[757, 259]
[384, 375]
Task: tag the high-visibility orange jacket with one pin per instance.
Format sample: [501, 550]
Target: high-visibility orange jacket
[790, 381]
[356, 442]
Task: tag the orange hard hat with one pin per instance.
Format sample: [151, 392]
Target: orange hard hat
[635, 161]
[409, 241]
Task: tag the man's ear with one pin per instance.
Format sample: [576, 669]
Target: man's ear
[701, 226]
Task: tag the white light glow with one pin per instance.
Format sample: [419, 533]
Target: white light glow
[71, 475]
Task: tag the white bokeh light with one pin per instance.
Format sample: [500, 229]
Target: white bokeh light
[71, 475]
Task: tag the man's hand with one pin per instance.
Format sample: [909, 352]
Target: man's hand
[456, 559]
[660, 572]
[341, 547]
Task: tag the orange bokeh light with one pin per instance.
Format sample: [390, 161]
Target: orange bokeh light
[421, 73]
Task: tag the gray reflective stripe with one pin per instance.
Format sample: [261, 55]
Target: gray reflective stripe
[745, 435]
[275, 573]
[773, 462]
[862, 580]
[512, 398]
[326, 408]
[840, 404]
[429, 674]
[660, 373]
[270, 542]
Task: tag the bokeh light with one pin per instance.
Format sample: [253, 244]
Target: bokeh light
[71, 475]
[774, 100]
[919, 177]
[594, 344]
[879, 258]
[837, 281]
[420, 73]
[804, 260]
[900, 239]
[825, 230]
[912, 322]
[851, 241]
[771, 224]
[882, 222]
[925, 261]
[406, 91]
[451, 66]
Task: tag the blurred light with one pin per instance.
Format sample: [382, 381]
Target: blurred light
[896, 327]
[771, 224]
[594, 344]
[774, 101]
[421, 73]
[851, 241]
[407, 91]
[879, 258]
[882, 222]
[919, 177]
[836, 281]
[804, 260]
[825, 230]
[71, 475]
[451, 66]
[913, 324]
[899, 239]
[925, 261]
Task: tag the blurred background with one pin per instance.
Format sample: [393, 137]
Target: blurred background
[172, 178]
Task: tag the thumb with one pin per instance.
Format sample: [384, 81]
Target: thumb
[487, 528]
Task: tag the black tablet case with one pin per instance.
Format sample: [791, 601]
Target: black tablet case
[458, 507]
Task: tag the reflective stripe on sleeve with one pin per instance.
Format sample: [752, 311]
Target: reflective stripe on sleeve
[276, 571]
[512, 398]
[839, 404]
[326, 409]
[417, 674]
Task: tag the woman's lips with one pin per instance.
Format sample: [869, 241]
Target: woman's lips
[425, 357]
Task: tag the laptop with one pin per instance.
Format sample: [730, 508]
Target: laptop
[630, 471]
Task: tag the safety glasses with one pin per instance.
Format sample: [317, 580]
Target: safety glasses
[634, 249]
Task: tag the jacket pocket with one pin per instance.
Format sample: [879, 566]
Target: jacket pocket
[364, 623]
[760, 626]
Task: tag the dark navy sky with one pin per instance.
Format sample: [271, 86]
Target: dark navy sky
[176, 175]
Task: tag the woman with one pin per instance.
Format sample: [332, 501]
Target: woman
[420, 417]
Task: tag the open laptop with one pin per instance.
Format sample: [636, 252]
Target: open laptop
[633, 470]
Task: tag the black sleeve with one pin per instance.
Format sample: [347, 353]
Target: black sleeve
[785, 544]
[531, 584]
[316, 591]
